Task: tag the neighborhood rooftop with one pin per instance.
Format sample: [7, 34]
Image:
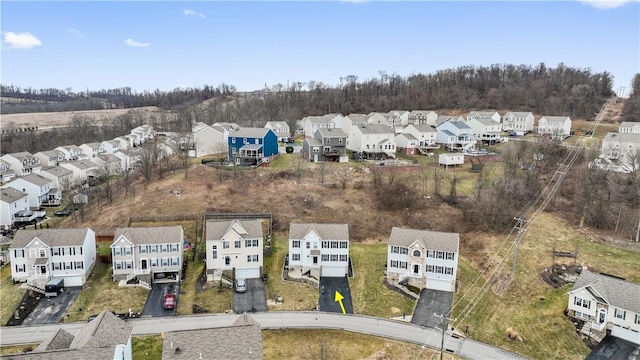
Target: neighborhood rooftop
[150, 235]
[432, 240]
[615, 291]
[50, 237]
[251, 228]
[325, 231]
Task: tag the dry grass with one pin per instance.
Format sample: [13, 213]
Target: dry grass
[17, 349]
[147, 347]
[10, 295]
[52, 119]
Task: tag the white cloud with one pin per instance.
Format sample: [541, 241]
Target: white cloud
[607, 4]
[187, 12]
[21, 40]
[134, 43]
[76, 32]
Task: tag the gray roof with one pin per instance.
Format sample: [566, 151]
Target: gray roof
[104, 331]
[251, 147]
[9, 195]
[248, 229]
[626, 124]
[375, 129]
[486, 122]
[51, 237]
[60, 340]
[358, 118]
[109, 158]
[621, 137]
[413, 113]
[50, 153]
[483, 113]
[324, 119]
[325, 231]
[313, 142]
[423, 127]
[460, 124]
[57, 171]
[249, 132]
[151, 235]
[242, 340]
[619, 293]
[21, 155]
[66, 354]
[94, 145]
[556, 118]
[432, 240]
[519, 113]
[83, 164]
[332, 133]
[37, 179]
[407, 136]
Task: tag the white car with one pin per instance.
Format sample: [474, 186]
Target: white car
[241, 285]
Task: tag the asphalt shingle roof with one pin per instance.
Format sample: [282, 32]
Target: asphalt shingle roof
[251, 229]
[151, 235]
[432, 240]
[51, 237]
[105, 330]
[619, 293]
[247, 132]
[325, 231]
[9, 195]
[375, 129]
[331, 133]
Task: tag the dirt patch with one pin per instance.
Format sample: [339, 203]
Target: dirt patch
[559, 275]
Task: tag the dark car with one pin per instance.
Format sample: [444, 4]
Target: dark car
[65, 212]
[169, 301]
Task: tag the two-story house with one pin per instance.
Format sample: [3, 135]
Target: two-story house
[71, 152]
[206, 140]
[444, 118]
[92, 150]
[50, 158]
[455, 135]
[518, 123]
[310, 124]
[558, 127]
[107, 165]
[110, 146]
[148, 254]
[486, 115]
[326, 145]
[6, 172]
[12, 202]
[22, 163]
[425, 136]
[40, 190]
[39, 255]
[319, 250]
[83, 170]
[486, 131]
[422, 117]
[628, 127]
[354, 120]
[423, 258]
[280, 128]
[234, 248]
[252, 146]
[62, 177]
[373, 142]
[622, 150]
[603, 301]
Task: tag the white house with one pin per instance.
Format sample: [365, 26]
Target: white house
[406, 144]
[62, 177]
[376, 118]
[12, 201]
[148, 254]
[426, 136]
[519, 123]
[6, 172]
[92, 150]
[403, 115]
[486, 115]
[124, 143]
[82, 170]
[603, 301]
[621, 151]
[451, 159]
[372, 141]
[354, 120]
[424, 117]
[423, 258]
[280, 128]
[208, 140]
[50, 158]
[39, 255]
[72, 152]
[455, 135]
[486, 131]
[444, 118]
[319, 250]
[558, 127]
[628, 127]
[110, 146]
[40, 190]
[234, 246]
[312, 123]
[107, 164]
[23, 163]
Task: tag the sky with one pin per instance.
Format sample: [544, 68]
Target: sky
[149, 45]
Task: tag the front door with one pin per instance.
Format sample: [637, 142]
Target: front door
[227, 260]
[43, 270]
[416, 269]
[143, 264]
[602, 316]
[315, 260]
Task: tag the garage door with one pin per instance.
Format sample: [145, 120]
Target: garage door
[248, 273]
[442, 285]
[337, 271]
[73, 281]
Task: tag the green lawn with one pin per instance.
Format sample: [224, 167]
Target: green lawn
[10, 296]
[147, 347]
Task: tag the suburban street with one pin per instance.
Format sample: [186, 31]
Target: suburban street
[398, 330]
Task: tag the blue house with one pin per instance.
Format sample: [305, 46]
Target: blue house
[250, 146]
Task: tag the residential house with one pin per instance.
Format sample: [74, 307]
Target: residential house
[558, 127]
[354, 120]
[6, 172]
[423, 258]
[105, 337]
[12, 202]
[40, 190]
[92, 150]
[252, 146]
[319, 250]
[455, 135]
[230, 127]
[423, 117]
[622, 151]
[22, 163]
[143, 133]
[72, 152]
[375, 142]
[280, 128]
[486, 131]
[391, 120]
[518, 123]
[234, 247]
[62, 177]
[110, 146]
[444, 118]
[124, 142]
[628, 127]
[406, 144]
[207, 140]
[107, 165]
[326, 145]
[148, 254]
[486, 115]
[403, 115]
[40, 255]
[240, 341]
[425, 135]
[83, 171]
[604, 302]
[312, 123]
[50, 158]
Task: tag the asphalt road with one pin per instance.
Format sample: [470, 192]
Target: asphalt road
[252, 300]
[154, 306]
[391, 329]
[51, 310]
[327, 290]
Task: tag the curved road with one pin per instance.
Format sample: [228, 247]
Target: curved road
[392, 329]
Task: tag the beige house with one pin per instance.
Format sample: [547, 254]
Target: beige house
[234, 247]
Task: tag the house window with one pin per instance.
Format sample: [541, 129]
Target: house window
[237, 244]
[245, 141]
[620, 314]
[79, 265]
[450, 256]
[394, 263]
[325, 257]
[214, 255]
[440, 254]
[225, 244]
[344, 244]
[343, 258]
[439, 270]
[637, 321]
[308, 245]
[19, 268]
[296, 244]
[448, 270]
[143, 249]
[325, 244]
[175, 261]
[18, 253]
[334, 257]
[33, 253]
[295, 257]
[127, 251]
[233, 140]
[582, 302]
[118, 265]
[165, 261]
[334, 244]
[55, 251]
[252, 258]
[404, 251]
[154, 262]
[417, 253]
[56, 266]
[315, 244]
[403, 265]
[251, 243]
[175, 248]
[129, 264]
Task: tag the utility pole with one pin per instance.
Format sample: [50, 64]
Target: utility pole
[521, 227]
[442, 319]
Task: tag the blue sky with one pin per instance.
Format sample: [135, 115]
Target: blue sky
[152, 45]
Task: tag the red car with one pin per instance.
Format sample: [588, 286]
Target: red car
[170, 301]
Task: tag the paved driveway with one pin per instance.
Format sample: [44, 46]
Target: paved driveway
[252, 300]
[52, 310]
[432, 302]
[154, 304]
[328, 287]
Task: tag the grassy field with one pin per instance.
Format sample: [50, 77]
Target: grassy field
[147, 347]
[10, 295]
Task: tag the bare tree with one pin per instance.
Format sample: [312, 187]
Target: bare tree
[297, 163]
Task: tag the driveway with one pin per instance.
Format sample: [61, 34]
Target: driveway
[328, 288]
[432, 302]
[252, 300]
[51, 310]
[154, 304]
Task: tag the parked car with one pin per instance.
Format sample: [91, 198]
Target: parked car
[65, 212]
[241, 285]
[169, 301]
